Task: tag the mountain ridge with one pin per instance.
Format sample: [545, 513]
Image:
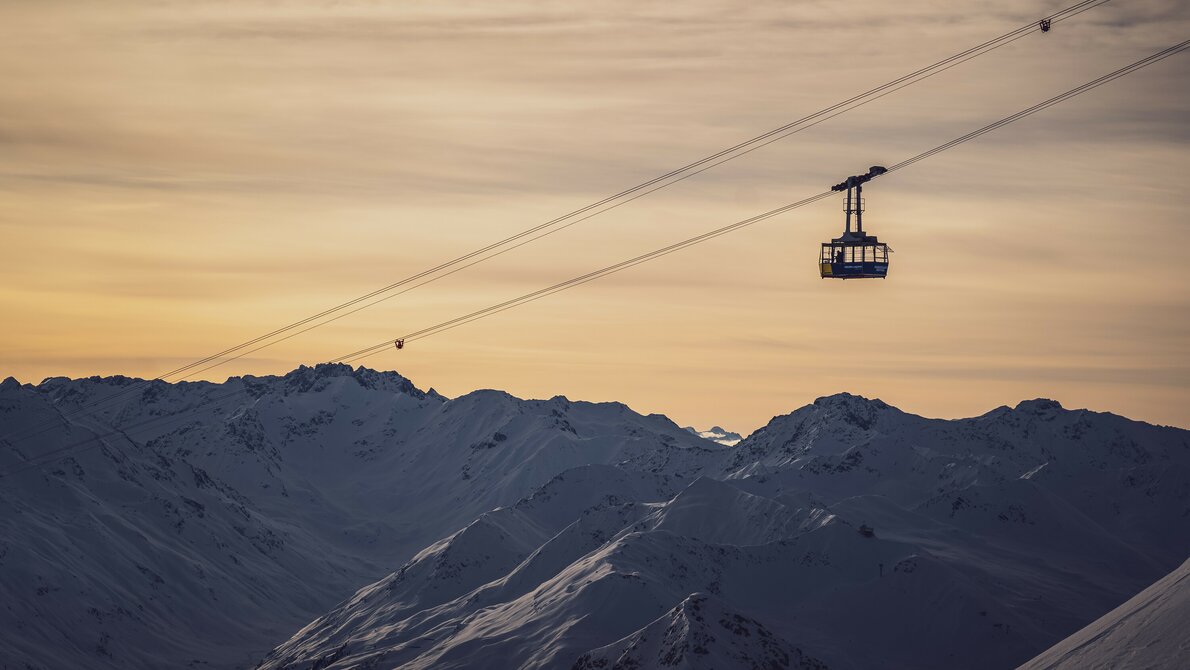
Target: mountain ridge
[1002, 476]
[296, 490]
[314, 479]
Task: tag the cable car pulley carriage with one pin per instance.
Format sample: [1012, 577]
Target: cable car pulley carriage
[855, 254]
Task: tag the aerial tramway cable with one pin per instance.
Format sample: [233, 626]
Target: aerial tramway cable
[582, 214]
[90, 443]
[48, 457]
[698, 239]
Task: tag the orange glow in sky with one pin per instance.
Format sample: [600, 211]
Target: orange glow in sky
[178, 177]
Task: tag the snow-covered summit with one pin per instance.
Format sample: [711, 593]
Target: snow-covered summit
[852, 533]
[305, 379]
[699, 632]
[492, 531]
[717, 434]
[234, 512]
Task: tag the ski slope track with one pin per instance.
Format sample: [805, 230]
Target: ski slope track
[344, 518]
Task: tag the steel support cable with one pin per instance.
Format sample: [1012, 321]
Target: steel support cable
[612, 269]
[1074, 92]
[946, 63]
[590, 276]
[44, 459]
[716, 159]
[562, 227]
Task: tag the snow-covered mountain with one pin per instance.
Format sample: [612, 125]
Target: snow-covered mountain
[199, 524]
[700, 632]
[847, 534]
[1149, 631]
[717, 434]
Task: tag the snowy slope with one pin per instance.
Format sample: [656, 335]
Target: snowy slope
[205, 540]
[994, 537]
[1148, 631]
[700, 632]
[620, 586]
[489, 531]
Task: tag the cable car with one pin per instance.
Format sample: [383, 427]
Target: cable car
[855, 254]
[400, 344]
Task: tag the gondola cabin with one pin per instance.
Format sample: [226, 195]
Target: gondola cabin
[854, 254]
[854, 257]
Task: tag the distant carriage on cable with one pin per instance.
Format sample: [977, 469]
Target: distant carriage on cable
[854, 254]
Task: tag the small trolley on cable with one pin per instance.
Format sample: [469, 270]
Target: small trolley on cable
[855, 254]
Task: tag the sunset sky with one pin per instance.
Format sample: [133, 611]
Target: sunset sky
[178, 177]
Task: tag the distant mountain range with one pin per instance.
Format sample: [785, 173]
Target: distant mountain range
[717, 434]
[200, 525]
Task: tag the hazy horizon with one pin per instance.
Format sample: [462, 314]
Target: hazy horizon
[700, 424]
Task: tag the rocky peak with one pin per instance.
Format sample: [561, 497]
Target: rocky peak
[1040, 406]
[306, 379]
